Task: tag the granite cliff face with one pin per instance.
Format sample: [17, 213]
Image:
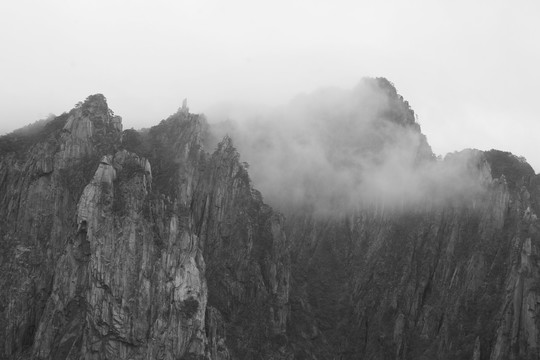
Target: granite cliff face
[155, 245]
[457, 282]
[109, 253]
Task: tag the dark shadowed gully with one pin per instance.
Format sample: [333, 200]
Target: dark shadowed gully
[155, 244]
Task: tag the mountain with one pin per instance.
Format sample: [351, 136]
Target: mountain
[155, 244]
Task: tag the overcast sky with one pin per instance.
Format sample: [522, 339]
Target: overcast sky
[470, 69]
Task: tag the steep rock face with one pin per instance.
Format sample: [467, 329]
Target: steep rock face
[445, 282]
[106, 244]
[144, 245]
[40, 185]
[247, 257]
[117, 294]
[242, 240]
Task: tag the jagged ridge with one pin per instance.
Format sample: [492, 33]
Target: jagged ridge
[120, 244]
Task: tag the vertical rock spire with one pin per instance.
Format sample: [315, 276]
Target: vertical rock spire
[184, 109]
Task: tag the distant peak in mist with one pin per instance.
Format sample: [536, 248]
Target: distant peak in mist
[338, 149]
[332, 150]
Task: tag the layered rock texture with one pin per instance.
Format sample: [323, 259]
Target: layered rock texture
[109, 253]
[155, 245]
[454, 282]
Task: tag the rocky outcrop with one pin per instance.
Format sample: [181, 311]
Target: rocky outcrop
[41, 182]
[153, 245]
[109, 252]
[247, 257]
[445, 282]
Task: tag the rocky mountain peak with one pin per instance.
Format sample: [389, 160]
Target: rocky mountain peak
[156, 245]
[92, 114]
[515, 168]
[335, 146]
[91, 129]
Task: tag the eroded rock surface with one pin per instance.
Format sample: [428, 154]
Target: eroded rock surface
[456, 281]
[152, 245]
[106, 249]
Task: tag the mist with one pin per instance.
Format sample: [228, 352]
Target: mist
[336, 149]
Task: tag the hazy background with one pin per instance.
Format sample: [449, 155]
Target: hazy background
[470, 69]
[336, 150]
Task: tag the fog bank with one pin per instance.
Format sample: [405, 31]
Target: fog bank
[342, 149]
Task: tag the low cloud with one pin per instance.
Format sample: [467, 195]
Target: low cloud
[340, 149]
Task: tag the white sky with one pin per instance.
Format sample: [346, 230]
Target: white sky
[470, 69]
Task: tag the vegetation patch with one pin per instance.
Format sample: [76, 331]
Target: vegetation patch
[134, 142]
[77, 176]
[19, 141]
[130, 169]
[514, 168]
[189, 307]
